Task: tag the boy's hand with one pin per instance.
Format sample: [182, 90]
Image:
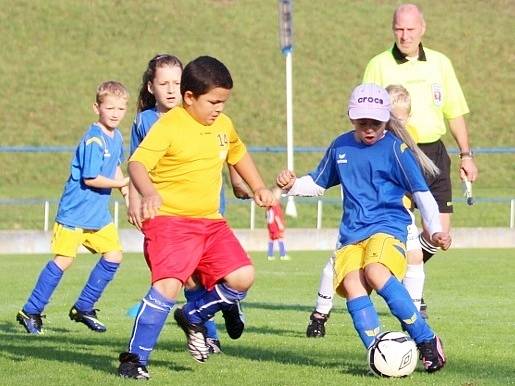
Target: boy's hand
[134, 211]
[285, 179]
[150, 206]
[442, 240]
[264, 197]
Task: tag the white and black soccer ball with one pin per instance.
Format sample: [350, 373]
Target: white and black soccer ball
[393, 354]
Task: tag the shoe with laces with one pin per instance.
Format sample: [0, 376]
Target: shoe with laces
[316, 325]
[432, 355]
[31, 322]
[214, 346]
[234, 320]
[89, 318]
[195, 335]
[131, 367]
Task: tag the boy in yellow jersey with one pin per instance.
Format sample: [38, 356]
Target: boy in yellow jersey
[177, 170]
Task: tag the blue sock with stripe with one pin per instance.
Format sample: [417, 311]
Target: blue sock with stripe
[365, 319]
[402, 307]
[194, 294]
[150, 319]
[48, 280]
[220, 297]
[99, 278]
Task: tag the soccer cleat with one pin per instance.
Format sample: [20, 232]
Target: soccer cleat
[423, 309]
[131, 367]
[270, 258]
[214, 346]
[89, 318]
[195, 335]
[31, 322]
[234, 320]
[316, 325]
[432, 355]
[285, 258]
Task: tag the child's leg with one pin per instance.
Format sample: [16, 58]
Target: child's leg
[46, 284]
[282, 249]
[192, 295]
[415, 276]
[324, 302]
[270, 249]
[100, 276]
[151, 318]
[401, 306]
[364, 315]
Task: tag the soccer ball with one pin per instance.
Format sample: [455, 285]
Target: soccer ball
[393, 354]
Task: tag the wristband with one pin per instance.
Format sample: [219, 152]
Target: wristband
[466, 155]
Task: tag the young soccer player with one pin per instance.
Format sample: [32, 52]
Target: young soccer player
[415, 276]
[177, 170]
[275, 224]
[375, 169]
[83, 215]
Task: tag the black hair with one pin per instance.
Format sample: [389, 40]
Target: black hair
[146, 100]
[204, 74]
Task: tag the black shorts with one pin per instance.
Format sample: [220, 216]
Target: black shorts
[440, 186]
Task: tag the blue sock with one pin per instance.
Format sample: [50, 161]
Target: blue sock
[47, 282]
[220, 297]
[193, 295]
[402, 307]
[270, 248]
[99, 278]
[282, 249]
[149, 322]
[365, 319]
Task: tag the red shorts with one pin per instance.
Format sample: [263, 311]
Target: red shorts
[176, 247]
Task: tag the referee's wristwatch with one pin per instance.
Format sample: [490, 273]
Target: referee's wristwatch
[466, 155]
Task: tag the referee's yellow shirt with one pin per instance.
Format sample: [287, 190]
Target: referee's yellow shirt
[430, 79]
[185, 159]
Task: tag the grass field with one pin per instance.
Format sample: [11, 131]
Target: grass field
[469, 294]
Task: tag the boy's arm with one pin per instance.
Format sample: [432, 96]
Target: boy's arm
[248, 171]
[150, 199]
[124, 190]
[105, 182]
[134, 207]
[239, 187]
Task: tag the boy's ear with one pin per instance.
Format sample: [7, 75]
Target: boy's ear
[95, 108]
[188, 98]
[150, 88]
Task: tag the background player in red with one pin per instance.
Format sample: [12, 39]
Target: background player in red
[276, 224]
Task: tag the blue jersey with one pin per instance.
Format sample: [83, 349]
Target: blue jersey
[141, 126]
[374, 179]
[83, 206]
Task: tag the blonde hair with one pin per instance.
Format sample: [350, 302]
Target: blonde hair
[111, 87]
[400, 97]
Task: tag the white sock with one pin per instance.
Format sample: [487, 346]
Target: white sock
[414, 282]
[325, 289]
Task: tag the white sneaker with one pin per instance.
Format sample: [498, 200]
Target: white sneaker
[285, 257]
[271, 258]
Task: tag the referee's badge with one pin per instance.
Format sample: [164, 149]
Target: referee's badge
[437, 94]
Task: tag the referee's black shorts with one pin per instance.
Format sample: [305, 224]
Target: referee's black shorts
[440, 186]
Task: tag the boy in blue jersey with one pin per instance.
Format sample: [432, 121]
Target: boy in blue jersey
[83, 215]
[375, 169]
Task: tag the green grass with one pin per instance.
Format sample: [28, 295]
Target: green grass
[58, 51]
[468, 292]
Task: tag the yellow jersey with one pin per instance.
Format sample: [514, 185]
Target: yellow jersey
[184, 159]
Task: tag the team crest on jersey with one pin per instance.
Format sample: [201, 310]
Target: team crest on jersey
[403, 147]
[436, 90]
[341, 159]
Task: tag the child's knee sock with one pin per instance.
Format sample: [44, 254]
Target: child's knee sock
[365, 319]
[282, 249]
[428, 249]
[149, 322]
[194, 294]
[414, 283]
[325, 290]
[270, 248]
[401, 306]
[220, 297]
[99, 278]
[47, 282]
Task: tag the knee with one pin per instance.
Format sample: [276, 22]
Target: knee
[242, 278]
[113, 257]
